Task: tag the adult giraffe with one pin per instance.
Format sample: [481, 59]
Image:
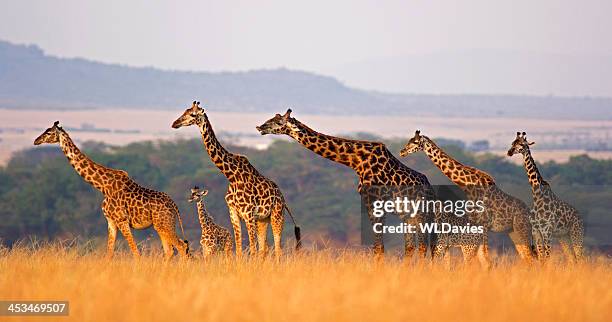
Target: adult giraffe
[551, 216]
[250, 196]
[126, 204]
[372, 162]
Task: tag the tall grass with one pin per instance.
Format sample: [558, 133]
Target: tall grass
[332, 285]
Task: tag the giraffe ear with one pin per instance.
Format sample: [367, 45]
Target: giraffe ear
[204, 193]
[531, 143]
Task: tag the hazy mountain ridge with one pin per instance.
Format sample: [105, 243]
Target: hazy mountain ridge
[31, 79]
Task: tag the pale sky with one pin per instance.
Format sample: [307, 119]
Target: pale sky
[316, 35]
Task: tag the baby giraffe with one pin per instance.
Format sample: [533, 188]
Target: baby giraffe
[214, 237]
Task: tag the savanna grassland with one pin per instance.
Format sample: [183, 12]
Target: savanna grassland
[312, 285]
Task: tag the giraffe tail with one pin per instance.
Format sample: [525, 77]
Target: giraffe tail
[178, 216]
[296, 230]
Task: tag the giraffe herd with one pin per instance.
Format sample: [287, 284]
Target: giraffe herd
[258, 202]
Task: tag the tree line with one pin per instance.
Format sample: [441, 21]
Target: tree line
[42, 196]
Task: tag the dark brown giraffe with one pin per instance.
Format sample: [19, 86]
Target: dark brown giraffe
[126, 204]
[374, 165]
[551, 216]
[250, 196]
[504, 213]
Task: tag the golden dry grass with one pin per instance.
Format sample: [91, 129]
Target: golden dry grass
[340, 285]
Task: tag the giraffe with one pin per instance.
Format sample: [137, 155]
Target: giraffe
[503, 212]
[471, 244]
[214, 237]
[375, 166]
[250, 196]
[126, 204]
[551, 216]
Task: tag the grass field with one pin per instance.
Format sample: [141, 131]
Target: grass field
[332, 285]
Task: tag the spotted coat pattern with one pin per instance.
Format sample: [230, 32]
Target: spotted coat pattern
[503, 212]
[374, 165]
[550, 216]
[215, 238]
[250, 196]
[126, 204]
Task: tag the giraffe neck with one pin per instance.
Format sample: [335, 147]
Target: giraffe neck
[456, 171]
[92, 173]
[205, 219]
[535, 178]
[223, 159]
[336, 149]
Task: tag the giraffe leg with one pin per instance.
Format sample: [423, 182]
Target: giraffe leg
[251, 227]
[521, 237]
[378, 247]
[546, 240]
[165, 226]
[483, 251]
[262, 234]
[228, 246]
[576, 235]
[483, 255]
[235, 219]
[440, 251]
[409, 247]
[278, 222]
[468, 251]
[208, 252]
[421, 241]
[538, 242]
[112, 230]
[440, 248]
[112, 235]
[521, 244]
[566, 246]
[124, 227]
[446, 257]
[167, 245]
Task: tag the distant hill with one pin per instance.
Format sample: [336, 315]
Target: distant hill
[31, 79]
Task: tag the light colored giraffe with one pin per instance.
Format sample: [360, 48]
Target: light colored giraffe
[214, 238]
[250, 196]
[503, 212]
[551, 216]
[126, 204]
[378, 170]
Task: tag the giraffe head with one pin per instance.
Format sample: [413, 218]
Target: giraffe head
[197, 194]
[520, 144]
[191, 116]
[50, 135]
[414, 145]
[279, 124]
